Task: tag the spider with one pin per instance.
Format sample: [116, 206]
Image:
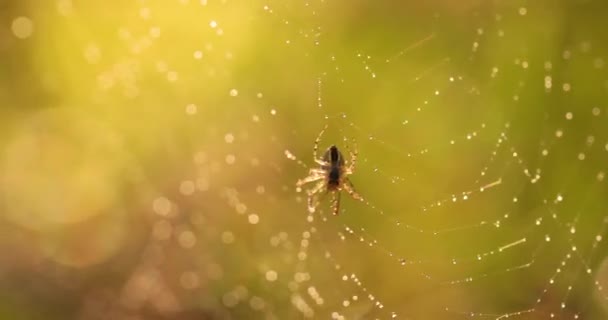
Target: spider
[332, 176]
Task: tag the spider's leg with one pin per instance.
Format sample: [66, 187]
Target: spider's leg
[312, 205]
[353, 157]
[317, 187]
[336, 202]
[313, 202]
[322, 163]
[312, 177]
[316, 147]
[348, 186]
[316, 171]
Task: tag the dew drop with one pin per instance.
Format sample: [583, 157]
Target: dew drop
[227, 237]
[22, 27]
[253, 218]
[230, 159]
[191, 109]
[523, 11]
[271, 275]
[229, 138]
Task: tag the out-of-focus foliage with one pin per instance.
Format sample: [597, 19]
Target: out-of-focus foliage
[143, 167]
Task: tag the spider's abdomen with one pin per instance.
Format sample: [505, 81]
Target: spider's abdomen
[333, 178]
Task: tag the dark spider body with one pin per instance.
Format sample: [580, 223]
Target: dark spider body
[335, 161]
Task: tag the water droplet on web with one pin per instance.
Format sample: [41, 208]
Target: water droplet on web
[260, 189]
[186, 239]
[162, 206]
[523, 11]
[271, 275]
[65, 7]
[230, 159]
[548, 82]
[172, 76]
[191, 109]
[290, 155]
[227, 237]
[187, 187]
[229, 138]
[145, 13]
[257, 303]
[253, 218]
[154, 32]
[230, 300]
[92, 53]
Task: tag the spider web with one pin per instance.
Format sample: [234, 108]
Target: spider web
[481, 139]
[456, 146]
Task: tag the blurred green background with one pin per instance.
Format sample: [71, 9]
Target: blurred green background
[150, 151]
